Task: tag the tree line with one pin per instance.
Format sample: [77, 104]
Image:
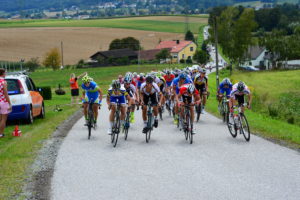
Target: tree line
[238, 28]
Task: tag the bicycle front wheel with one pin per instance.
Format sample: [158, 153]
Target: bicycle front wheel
[232, 129]
[89, 129]
[149, 125]
[245, 128]
[191, 133]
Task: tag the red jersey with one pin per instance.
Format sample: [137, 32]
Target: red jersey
[169, 78]
[133, 83]
[183, 90]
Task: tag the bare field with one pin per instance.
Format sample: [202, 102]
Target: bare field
[79, 43]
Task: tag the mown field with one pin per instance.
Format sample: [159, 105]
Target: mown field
[276, 99]
[17, 154]
[25, 39]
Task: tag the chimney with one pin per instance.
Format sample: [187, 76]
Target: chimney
[177, 41]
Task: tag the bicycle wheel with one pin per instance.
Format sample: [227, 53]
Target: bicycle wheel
[89, 128]
[117, 131]
[232, 129]
[125, 130]
[149, 125]
[198, 111]
[191, 133]
[90, 122]
[245, 127]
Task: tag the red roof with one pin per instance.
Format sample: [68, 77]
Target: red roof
[175, 48]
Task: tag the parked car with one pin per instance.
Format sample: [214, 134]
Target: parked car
[249, 68]
[26, 101]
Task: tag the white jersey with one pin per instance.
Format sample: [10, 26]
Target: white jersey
[235, 91]
[154, 89]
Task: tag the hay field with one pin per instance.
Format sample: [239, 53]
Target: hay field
[79, 42]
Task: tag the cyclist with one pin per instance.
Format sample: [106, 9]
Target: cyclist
[177, 83]
[91, 92]
[169, 77]
[131, 90]
[225, 86]
[188, 95]
[150, 91]
[161, 83]
[201, 84]
[117, 94]
[239, 90]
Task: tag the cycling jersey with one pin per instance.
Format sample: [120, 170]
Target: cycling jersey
[91, 91]
[201, 81]
[176, 83]
[117, 96]
[154, 89]
[238, 93]
[222, 89]
[169, 79]
[131, 89]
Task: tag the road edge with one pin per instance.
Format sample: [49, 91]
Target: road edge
[38, 183]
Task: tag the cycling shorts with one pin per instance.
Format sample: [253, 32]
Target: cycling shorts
[201, 88]
[152, 97]
[118, 99]
[240, 99]
[187, 99]
[87, 100]
[169, 83]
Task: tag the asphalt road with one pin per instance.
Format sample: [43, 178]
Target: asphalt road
[215, 166]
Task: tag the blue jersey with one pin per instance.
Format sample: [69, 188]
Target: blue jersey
[176, 83]
[223, 89]
[91, 91]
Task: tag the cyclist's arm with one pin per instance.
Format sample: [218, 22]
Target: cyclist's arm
[83, 94]
[249, 100]
[142, 97]
[197, 98]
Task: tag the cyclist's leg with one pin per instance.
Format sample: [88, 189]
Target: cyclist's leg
[85, 110]
[144, 111]
[154, 101]
[113, 104]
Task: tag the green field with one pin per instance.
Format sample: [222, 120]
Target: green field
[127, 23]
[266, 92]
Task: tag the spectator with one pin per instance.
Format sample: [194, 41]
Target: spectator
[74, 87]
[5, 105]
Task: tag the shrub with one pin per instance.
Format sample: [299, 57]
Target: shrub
[182, 61]
[46, 92]
[273, 110]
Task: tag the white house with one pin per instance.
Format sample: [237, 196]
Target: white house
[255, 56]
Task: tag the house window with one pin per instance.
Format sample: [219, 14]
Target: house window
[191, 48]
[175, 56]
[182, 56]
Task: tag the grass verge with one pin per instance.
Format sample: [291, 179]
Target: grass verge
[260, 124]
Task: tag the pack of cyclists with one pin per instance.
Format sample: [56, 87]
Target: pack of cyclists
[178, 86]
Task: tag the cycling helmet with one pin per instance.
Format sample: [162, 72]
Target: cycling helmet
[149, 79]
[182, 76]
[127, 79]
[86, 79]
[191, 88]
[168, 72]
[135, 74]
[226, 81]
[202, 70]
[241, 86]
[116, 84]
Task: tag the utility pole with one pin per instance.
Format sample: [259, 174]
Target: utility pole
[62, 54]
[216, 51]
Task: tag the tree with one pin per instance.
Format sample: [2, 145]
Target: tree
[201, 57]
[163, 54]
[129, 42]
[189, 36]
[32, 64]
[52, 59]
